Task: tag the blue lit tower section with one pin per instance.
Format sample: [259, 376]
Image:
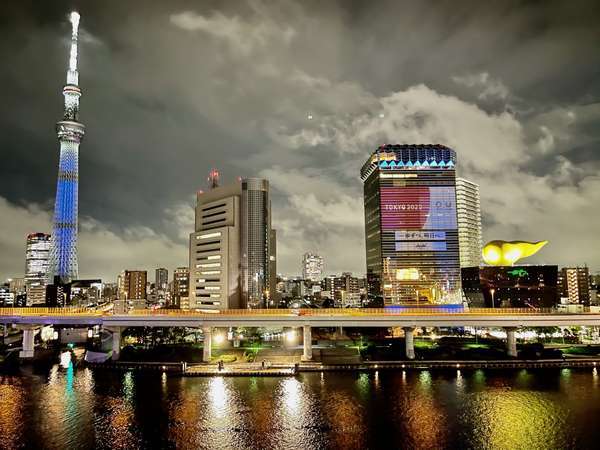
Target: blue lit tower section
[63, 252]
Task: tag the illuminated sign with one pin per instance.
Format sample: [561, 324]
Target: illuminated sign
[415, 246]
[418, 208]
[420, 235]
[410, 274]
[518, 273]
[383, 156]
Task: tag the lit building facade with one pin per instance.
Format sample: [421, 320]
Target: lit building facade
[345, 290]
[37, 252]
[468, 211]
[63, 252]
[181, 288]
[523, 286]
[7, 297]
[411, 228]
[574, 285]
[131, 285]
[230, 251]
[312, 267]
[215, 249]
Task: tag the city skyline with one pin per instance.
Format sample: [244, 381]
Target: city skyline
[509, 130]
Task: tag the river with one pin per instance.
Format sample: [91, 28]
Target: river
[80, 408]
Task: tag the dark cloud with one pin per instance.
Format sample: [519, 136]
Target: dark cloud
[172, 89]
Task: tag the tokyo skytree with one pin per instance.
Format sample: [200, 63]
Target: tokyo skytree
[63, 252]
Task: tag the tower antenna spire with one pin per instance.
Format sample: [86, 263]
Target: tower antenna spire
[72, 74]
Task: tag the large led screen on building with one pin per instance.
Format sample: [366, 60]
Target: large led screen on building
[418, 208]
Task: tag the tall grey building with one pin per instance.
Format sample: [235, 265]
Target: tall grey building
[230, 248]
[273, 296]
[255, 240]
[468, 210]
[161, 279]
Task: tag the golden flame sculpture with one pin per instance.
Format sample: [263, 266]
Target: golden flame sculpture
[506, 253]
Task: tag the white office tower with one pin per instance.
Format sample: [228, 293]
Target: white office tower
[37, 253]
[229, 251]
[312, 267]
[468, 210]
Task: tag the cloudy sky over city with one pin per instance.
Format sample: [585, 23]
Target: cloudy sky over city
[299, 93]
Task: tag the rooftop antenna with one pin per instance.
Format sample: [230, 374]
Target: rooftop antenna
[213, 179]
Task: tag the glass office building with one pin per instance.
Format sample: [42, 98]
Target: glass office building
[255, 240]
[411, 228]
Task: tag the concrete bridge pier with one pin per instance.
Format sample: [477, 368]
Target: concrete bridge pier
[511, 341]
[28, 342]
[409, 342]
[307, 344]
[207, 347]
[116, 341]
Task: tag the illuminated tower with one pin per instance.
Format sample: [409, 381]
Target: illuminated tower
[411, 228]
[63, 253]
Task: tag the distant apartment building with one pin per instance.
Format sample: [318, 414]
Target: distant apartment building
[181, 288]
[37, 252]
[17, 285]
[312, 267]
[131, 285]
[7, 298]
[109, 292]
[574, 285]
[230, 255]
[468, 210]
[345, 290]
[86, 293]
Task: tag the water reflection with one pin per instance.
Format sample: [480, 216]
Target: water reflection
[13, 397]
[69, 408]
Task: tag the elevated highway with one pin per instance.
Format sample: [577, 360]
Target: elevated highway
[335, 317]
[407, 318]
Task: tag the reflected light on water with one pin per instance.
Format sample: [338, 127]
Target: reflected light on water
[82, 408]
[291, 395]
[424, 419]
[217, 395]
[363, 384]
[460, 382]
[12, 395]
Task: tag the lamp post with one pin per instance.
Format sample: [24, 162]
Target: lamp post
[492, 291]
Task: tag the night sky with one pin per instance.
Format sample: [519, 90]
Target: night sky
[172, 89]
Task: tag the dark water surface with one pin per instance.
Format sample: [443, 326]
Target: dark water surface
[528, 409]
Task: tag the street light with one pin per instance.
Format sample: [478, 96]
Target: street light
[492, 291]
[290, 336]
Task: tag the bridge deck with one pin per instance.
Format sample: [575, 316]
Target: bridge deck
[367, 317]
